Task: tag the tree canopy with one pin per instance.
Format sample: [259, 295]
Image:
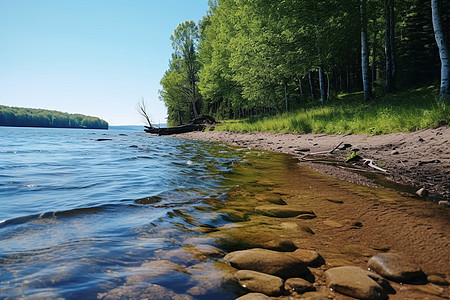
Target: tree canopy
[31, 117]
[251, 57]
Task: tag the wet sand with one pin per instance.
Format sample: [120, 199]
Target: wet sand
[420, 159]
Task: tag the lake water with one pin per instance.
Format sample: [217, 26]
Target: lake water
[72, 224]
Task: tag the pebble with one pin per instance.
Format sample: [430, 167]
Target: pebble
[444, 203]
[422, 192]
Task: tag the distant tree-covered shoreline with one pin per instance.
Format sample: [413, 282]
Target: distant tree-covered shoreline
[32, 117]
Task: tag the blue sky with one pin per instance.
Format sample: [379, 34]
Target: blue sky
[94, 57]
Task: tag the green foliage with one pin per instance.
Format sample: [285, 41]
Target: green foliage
[255, 57]
[30, 117]
[404, 111]
[180, 91]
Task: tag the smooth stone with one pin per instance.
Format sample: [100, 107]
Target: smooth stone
[356, 282]
[298, 285]
[281, 211]
[309, 257]
[395, 267]
[270, 262]
[142, 291]
[437, 279]
[259, 282]
[254, 296]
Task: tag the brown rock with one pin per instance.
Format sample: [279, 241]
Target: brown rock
[259, 282]
[356, 282]
[254, 296]
[395, 267]
[298, 285]
[309, 257]
[281, 211]
[280, 264]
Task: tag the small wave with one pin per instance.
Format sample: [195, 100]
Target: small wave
[48, 215]
[30, 185]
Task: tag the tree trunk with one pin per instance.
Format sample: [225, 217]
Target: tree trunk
[365, 53]
[328, 86]
[374, 57]
[392, 43]
[322, 86]
[443, 49]
[388, 45]
[300, 86]
[285, 96]
[311, 86]
[347, 79]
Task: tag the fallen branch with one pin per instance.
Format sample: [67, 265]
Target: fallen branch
[325, 152]
[369, 163]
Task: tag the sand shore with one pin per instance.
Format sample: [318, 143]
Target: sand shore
[419, 159]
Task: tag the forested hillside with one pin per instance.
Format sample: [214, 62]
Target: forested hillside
[30, 117]
[261, 57]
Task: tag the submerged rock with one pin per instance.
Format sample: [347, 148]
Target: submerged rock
[281, 211]
[280, 264]
[254, 296]
[260, 282]
[298, 285]
[356, 282]
[142, 291]
[395, 267]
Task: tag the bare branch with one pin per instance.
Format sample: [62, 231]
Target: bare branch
[142, 109]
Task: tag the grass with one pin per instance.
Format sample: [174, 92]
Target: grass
[404, 111]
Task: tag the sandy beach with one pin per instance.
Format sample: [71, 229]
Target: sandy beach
[419, 159]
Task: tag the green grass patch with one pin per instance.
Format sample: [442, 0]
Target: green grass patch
[404, 111]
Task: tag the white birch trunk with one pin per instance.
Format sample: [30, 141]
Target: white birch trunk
[365, 53]
[322, 86]
[443, 50]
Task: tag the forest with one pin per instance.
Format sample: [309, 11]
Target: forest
[259, 57]
[31, 117]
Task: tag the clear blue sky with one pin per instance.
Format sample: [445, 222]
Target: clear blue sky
[94, 57]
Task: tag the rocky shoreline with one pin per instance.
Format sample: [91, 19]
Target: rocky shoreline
[419, 159]
[283, 231]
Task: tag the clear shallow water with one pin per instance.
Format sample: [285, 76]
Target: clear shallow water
[70, 225]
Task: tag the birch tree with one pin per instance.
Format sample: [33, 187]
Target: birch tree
[443, 49]
[365, 52]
